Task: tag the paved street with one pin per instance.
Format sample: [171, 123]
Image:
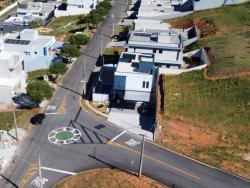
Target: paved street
[92, 150]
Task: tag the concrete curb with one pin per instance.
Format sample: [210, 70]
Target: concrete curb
[92, 110]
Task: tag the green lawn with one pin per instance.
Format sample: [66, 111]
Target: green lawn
[37, 74]
[223, 102]
[218, 106]
[23, 118]
[231, 44]
[57, 25]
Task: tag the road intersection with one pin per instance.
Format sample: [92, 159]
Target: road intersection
[94, 149]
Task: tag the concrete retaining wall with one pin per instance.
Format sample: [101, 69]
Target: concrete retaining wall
[208, 4]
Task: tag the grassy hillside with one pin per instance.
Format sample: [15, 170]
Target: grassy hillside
[230, 45]
[220, 109]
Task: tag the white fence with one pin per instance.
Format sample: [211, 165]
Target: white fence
[8, 8]
[99, 97]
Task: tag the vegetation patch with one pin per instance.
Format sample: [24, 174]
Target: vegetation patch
[39, 90]
[226, 31]
[107, 178]
[22, 117]
[208, 111]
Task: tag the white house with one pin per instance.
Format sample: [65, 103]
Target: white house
[75, 7]
[166, 47]
[37, 49]
[188, 36]
[27, 12]
[164, 9]
[12, 76]
[134, 77]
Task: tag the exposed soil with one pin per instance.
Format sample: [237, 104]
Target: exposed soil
[185, 136]
[107, 178]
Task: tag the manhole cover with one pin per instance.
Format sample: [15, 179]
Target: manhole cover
[64, 135]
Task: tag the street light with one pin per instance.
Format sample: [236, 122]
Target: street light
[113, 28]
[142, 154]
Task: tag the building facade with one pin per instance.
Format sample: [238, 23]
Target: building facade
[75, 7]
[37, 49]
[134, 77]
[26, 12]
[12, 76]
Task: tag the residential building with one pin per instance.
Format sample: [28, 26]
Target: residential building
[166, 47]
[75, 7]
[188, 35]
[12, 76]
[134, 78]
[29, 11]
[37, 49]
[164, 9]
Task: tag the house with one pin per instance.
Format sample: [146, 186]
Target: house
[37, 49]
[166, 47]
[75, 7]
[164, 9]
[134, 78]
[188, 35]
[12, 76]
[29, 11]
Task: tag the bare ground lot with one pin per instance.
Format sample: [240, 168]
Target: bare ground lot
[107, 178]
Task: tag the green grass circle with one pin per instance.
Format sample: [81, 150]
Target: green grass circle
[64, 135]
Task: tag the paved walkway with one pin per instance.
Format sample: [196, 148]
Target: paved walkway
[131, 121]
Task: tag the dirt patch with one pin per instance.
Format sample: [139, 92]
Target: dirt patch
[187, 135]
[182, 23]
[107, 178]
[206, 26]
[62, 38]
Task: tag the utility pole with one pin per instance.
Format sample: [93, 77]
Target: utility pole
[14, 114]
[40, 172]
[84, 78]
[142, 154]
[102, 56]
[113, 28]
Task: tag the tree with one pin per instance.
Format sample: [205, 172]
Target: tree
[39, 90]
[58, 68]
[35, 23]
[70, 51]
[79, 39]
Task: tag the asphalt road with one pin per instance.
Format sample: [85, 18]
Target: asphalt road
[93, 150]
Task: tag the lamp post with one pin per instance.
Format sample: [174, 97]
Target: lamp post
[142, 154]
[13, 112]
[113, 25]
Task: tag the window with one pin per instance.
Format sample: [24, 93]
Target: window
[26, 53]
[35, 52]
[145, 84]
[154, 51]
[160, 51]
[80, 6]
[23, 65]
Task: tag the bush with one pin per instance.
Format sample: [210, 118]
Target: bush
[96, 16]
[36, 23]
[70, 51]
[58, 68]
[39, 90]
[79, 39]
